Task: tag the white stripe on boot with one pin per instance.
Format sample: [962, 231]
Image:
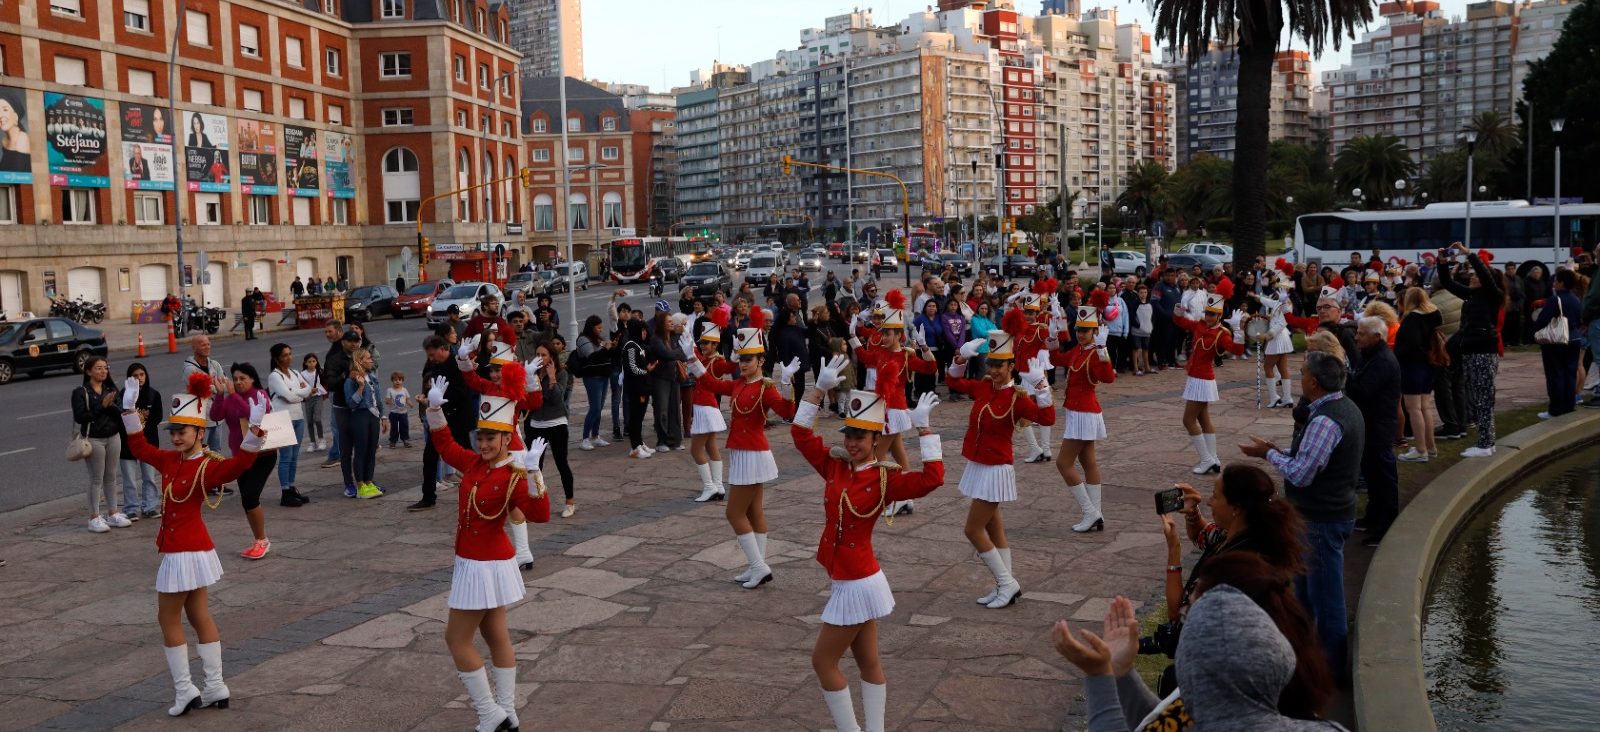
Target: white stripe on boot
[874, 697]
[519, 540]
[759, 573]
[1086, 504]
[1005, 554]
[187, 697]
[490, 715]
[214, 693]
[1006, 587]
[505, 692]
[843, 711]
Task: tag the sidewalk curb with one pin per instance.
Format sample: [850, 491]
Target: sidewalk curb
[159, 346]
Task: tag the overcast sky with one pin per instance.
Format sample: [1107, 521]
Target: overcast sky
[657, 42]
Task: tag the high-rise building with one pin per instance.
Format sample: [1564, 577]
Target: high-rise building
[549, 35]
[699, 177]
[1208, 100]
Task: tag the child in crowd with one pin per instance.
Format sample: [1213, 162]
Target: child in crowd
[398, 399]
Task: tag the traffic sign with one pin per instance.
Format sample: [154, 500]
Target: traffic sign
[499, 250]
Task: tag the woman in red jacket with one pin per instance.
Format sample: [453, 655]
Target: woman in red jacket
[486, 580]
[507, 379]
[891, 362]
[857, 489]
[1028, 322]
[998, 408]
[707, 408]
[188, 558]
[750, 462]
[1088, 365]
[1210, 337]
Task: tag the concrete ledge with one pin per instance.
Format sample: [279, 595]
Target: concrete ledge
[1391, 692]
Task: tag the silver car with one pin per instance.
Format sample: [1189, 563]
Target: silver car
[810, 261]
[467, 296]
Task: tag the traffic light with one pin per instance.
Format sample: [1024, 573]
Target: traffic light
[527, 177]
[427, 249]
[787, 166]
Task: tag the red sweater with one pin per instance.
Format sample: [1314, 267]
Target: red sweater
[751, 402]
[485, 499]
[994, 414]
[892, 367]
[845, 548]
[184, 490]
[1085, 371]
[1208, 341]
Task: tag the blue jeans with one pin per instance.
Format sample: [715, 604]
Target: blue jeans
[595, 388]
[363, 447]
[1321, 589]
[289, 457]
[333, 432]
[139, 489]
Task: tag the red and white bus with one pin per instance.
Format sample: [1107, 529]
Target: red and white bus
[632, 259]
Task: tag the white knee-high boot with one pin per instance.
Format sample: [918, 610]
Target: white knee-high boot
[1198, 442]
[716, 477]
[490, 715]
[1006, 587]
[505, 692]
[187, 697]
[214, 693]
[1034, 450]
[1288, 392]
[519, 540]
[1091, 519]
[874, 697]
[1044, 439]
[759, 573]
[843, 711]
[1005, 555]
[1272, 393]
[708, 485]
[1211, 451]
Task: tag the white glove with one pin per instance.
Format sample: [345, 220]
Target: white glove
[436, 389]
[788, 370]
[530, 457]
[956, 370]
[464, 354]
[696, 369]
[532, 368]
[258, 410]
[923, 410]
[1055, 308]
[1034, 376]
[130, 395]
[1101, 336]
[830, 376]
[919, 337]
[969, 350]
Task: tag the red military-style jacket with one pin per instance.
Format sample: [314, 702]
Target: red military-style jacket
[1031, 340]
[487, 494]
[183, 490]
[716, 368]
[845, 548]
[1208, 341]
[892, 367]
[751, 400]
[994, 414]
[1085, 371]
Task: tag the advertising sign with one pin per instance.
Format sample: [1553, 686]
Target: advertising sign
[337, 151]
[146, 142]
[16, 154]
[258, 158]
[75, 133]
[205, 152]
[300, 172]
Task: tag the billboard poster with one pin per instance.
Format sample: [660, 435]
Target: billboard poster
[147, 147]
[258, 158]
[75, 133]
[205, 152]
[300, 172]
[16, 151]
[337, 149]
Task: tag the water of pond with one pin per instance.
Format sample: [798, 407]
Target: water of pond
[1511, 634]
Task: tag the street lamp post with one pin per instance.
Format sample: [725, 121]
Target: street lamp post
[1555, 127]
[1000, 195]
[178, 189]
[488, 192]
[1472, 141]
[977, 236]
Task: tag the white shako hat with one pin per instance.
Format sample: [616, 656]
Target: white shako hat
[1214, 303]
[866, 411]
[187, 410]
[750, 342]
[497, 413]
[501, 353]
[893, 320]
[1000, 345]
[1088, 316]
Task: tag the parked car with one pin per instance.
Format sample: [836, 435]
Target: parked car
[1220, 251]
[1010, 265]
[934, 263]
[884, 260]
[530, 284]
[810, 261]
[707, 279]
[763, 265]
[1182, 260]
[671, 269]
[567, 275]
[45, 344]
[416, 299]
[836, 251]
[1128, 263]
[468, 296]
[368, 302]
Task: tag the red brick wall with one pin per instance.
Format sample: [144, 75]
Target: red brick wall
[48, 51]
[372, 48]
[267, 49]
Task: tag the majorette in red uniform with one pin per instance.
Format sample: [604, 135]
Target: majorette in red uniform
[1029, 327]
[891, 362]
[1200, 390]
[707, 406]
[485, 579]
[1088, 365]
[750, 462]
[998, 407]
[508, 379]
[857, 489]
[188, 558]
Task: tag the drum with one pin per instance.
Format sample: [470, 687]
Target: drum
[1258, 328]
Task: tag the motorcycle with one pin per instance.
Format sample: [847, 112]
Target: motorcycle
[655, 284]
[61, 307]
[91, 312]
[197, 318]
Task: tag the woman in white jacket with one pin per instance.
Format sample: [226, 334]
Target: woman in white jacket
[289, 389]
[1275, 364]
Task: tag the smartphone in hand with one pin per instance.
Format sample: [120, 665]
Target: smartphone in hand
[1169, 501]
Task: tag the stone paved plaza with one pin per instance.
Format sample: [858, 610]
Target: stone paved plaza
[630, 621]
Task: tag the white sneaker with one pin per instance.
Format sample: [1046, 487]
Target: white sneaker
[647, 450]
[586, 445]
[600, 441]
[98, 525]
[568, 510]
[1473, 452]
[641, 452]
[119, 520]
[1546, 415]
[662, 447]
[1412, 456]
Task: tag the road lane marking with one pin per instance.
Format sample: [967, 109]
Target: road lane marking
[407, 353]
[13, 452]
[44, 414]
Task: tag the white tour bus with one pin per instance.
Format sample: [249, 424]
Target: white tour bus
[1513, 230]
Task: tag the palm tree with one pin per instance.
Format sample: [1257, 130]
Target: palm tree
[1373, 163]
[1446, 177]
[1144, 192]
[1256, 25]
[1496, 135]
[1200, 190]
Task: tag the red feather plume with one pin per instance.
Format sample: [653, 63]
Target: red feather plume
[719, 316]
[1099, 299]
[1337, 282]
[1485, 256]
[1282, 265]
[199, 385]
[1046, 286]
[513, 380]
[758, 318]
[1014, 322]
[896, 299]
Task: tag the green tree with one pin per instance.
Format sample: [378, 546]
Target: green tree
[1564, 85]
[1199, 190]
[1373, 163]
[1257, 26]
[1445, 178]
[1145, 192]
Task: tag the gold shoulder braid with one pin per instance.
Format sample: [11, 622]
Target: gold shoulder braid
[883, 495]
[472, 497]
[207, 456]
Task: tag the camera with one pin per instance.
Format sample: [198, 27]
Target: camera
[1163, 641]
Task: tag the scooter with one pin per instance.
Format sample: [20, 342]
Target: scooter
[655, 284]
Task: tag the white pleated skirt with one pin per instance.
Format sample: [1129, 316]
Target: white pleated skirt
[188, 571]
[749, 467]
[898, 420]
[1281, 344]
[1084, 426]
[992, 483]
[478, 585]
[707, 420]
[854, 602]
[1200, 390]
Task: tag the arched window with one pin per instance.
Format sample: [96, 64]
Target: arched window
[612, 209]
[401, 186]
[544, 213]
[400, 160]
[578, 211]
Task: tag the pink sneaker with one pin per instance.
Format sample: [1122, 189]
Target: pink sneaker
[257, 550]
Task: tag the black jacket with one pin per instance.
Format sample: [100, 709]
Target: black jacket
[458, 398]
[1415, 337]
[335, 369]
[1480, 308]
[1375, 388]
[94, 420]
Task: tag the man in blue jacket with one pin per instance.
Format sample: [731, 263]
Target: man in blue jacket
[1165, 297]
